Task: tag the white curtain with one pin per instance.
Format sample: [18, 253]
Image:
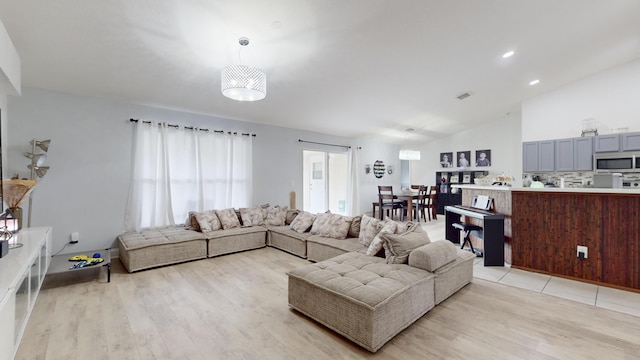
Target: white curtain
[177, 170]
[353, 189]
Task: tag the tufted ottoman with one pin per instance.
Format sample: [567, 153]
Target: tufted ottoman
[157, 247]
[362, 297]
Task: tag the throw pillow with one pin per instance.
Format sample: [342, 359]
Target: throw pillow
[228, 218]
[208, 220]
[403, 227]
[434, 255]
[354, 229]
[303, 222]
[320, 222]
[398, 246]
[368, 229]
[276, 216]
[331, 225]
[291, 214]
[252, 216]
[386, 227]
[192, 222]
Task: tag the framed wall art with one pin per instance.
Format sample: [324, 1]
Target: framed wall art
[446, 160]
[483, 158]
[464, 159]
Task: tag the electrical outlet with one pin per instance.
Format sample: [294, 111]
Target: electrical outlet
[582, 252]
[75, 237]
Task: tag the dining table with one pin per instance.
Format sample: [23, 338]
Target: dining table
[409, 196]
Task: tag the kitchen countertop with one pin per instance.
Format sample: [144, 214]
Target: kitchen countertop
[585, 190]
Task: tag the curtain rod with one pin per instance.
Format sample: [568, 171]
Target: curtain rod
[191, 128]
[319, 143]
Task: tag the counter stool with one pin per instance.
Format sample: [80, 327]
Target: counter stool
[468, 228]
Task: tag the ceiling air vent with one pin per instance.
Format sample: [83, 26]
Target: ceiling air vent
[464, 95]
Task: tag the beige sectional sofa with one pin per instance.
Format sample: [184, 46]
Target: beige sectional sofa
[368, 299]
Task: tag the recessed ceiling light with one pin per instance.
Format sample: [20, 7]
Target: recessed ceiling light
[508, 54]
[533, 82]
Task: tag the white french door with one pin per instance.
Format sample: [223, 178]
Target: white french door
[325, 182]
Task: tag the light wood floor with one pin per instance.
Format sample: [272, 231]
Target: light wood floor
[235, 307]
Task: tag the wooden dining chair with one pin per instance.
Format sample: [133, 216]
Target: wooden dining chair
[422, 203]
[432, 202]
[387, 201]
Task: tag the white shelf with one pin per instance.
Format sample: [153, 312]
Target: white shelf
[22, 271]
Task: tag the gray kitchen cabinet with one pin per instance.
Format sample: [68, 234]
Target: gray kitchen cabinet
[564, 154]
[630, 141]
[538, 156]
[583, 154]
[607, 143]
[530, 156]
[546, 155]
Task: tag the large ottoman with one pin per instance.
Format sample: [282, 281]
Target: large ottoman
[362, 297]
[151, 248]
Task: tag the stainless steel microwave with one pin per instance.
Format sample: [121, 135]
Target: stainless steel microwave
[622, 162]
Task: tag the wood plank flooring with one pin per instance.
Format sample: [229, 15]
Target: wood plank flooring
[235, 307]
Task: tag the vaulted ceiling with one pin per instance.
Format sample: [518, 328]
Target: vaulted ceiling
[344, 67]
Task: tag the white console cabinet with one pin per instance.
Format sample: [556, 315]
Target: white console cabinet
[22, 272]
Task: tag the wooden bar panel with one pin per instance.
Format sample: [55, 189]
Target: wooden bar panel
[621, 243]
[548, 226]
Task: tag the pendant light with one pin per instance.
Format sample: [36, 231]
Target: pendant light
[407, 154]
[242, 82]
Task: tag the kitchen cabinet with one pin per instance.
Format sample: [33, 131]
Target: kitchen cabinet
[546, 155]
[538, 156]
[630, 141]
[607, 143]
[530, 156]
[564, 155]
[572, 154]
[583, 154]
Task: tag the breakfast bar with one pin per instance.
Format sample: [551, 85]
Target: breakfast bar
[550, 223]
[545, 226]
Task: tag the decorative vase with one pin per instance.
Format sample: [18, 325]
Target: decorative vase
[17, 211]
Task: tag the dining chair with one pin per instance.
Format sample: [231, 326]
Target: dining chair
[422, 203]
[387, 201]
[432, 202]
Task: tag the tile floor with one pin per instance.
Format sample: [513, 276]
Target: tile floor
[600, 296]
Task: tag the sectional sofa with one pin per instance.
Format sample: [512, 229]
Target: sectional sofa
[367, 280]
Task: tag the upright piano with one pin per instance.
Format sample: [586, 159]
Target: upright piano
[492, 231]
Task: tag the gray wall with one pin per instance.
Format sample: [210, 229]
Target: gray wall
[90, 158]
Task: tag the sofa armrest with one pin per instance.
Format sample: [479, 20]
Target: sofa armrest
[433, 256]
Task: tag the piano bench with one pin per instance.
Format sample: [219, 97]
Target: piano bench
[468, 228]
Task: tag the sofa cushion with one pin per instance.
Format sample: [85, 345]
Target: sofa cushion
[354, 229]
[192, 222]
[433, 256]
[276, 216]
[303, 222]
[208, 220]
[397, 247]
[218, 234]
[228, 218]
[387, 227]
[154, 237]
[252, 216]
[291, 214]
[331, 225]
[369, 228]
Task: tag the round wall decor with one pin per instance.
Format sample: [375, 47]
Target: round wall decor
[378, 169]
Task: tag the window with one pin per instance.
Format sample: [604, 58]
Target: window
[177, 170]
